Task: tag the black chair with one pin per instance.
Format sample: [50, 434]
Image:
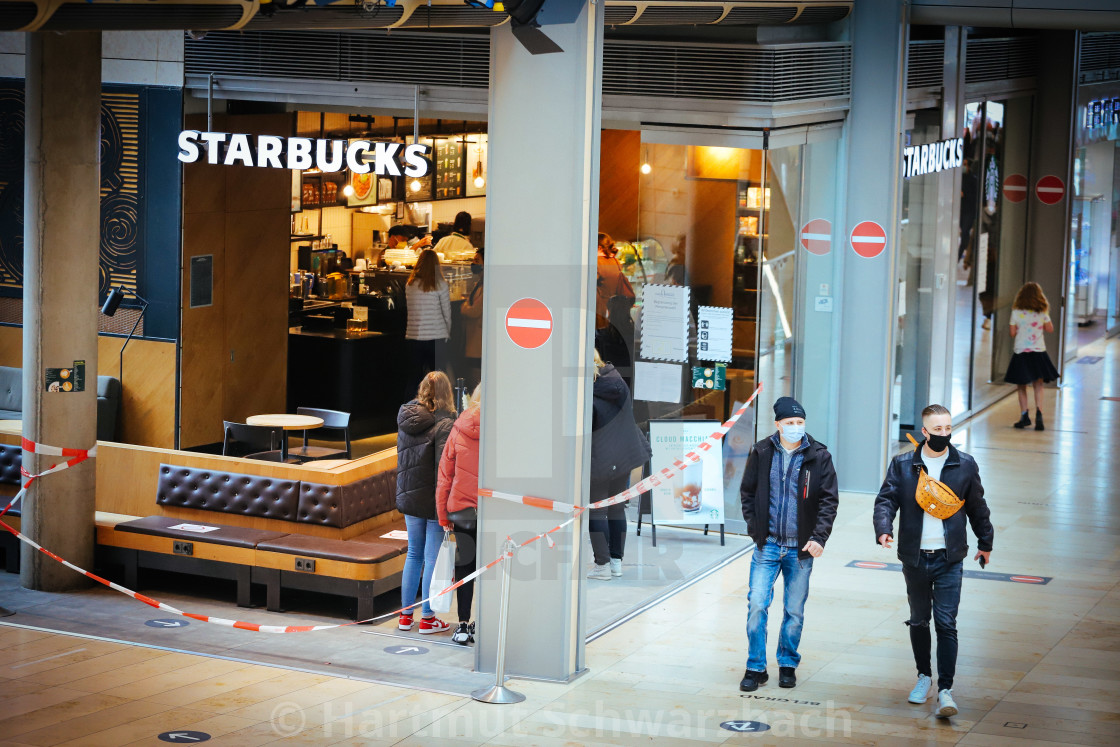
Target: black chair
[252, 442]
[333, 421]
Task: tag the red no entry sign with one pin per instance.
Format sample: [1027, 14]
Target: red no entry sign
[1015, 188]
[529, 323]
[868, 239]
[816, 236]
[1050, 190]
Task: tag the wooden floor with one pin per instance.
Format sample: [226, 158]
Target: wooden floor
[1039, 664]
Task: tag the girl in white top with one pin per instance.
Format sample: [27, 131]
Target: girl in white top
[428, 299]
[1030, 365]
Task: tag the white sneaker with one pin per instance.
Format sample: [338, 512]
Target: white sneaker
[920, 693]
[947, 706]
[616, 566]
[600, 572]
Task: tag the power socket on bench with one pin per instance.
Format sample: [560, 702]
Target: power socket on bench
[305, 564]
[182, 548]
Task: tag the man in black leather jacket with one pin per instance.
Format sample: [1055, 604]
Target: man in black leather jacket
[932, 551]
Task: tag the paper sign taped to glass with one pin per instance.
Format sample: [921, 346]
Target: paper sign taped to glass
[714, 327]
[695, 495]
[664, 322]
[657, 382]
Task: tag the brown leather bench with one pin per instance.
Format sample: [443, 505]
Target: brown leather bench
[170, 544]
[279, 557]
[364, 566]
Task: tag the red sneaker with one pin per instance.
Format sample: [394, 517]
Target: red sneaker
[429, 625]
[405, 622]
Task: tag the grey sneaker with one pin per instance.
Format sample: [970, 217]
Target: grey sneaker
[616, 566]
[600, 572]
[920, 693]
[947, 707]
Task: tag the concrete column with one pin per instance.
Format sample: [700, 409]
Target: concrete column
[541, 218]
[1048, 226]
[874, 133]
[62, 211]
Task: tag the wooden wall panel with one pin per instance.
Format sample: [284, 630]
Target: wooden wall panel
[147, 415]
[619, 161]
[148, 410]
[711, 237]
[235, 352]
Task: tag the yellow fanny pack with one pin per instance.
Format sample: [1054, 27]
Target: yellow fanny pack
[933, 496]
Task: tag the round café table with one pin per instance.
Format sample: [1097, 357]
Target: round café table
[286, 423]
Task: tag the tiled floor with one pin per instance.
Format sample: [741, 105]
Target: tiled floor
[1039, 664]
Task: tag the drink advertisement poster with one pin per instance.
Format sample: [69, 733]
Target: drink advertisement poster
[695, 495]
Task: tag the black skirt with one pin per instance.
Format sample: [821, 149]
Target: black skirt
[1027, 368]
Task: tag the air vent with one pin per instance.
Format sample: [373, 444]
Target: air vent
[330, 17]
[990, 60]
[759, 74]
[443, 17]
[758, 16]
[280, 54]
[448, 59]
[703, 71]
[1100, 52]
[618, 14]
[657, 15]
[79, 17]
[15, 16]
[925, 64]
[827, 14]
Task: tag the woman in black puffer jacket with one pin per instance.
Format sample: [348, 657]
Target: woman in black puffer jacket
[617, 447]
[422, 429]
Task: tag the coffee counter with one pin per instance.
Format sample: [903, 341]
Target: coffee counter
[359, 373]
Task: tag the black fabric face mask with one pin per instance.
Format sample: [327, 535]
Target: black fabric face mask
[938, 443]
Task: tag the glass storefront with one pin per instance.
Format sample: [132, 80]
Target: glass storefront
[991, 255]
[953, 312]
[726, 223]
[1094, 270]
[721, 229]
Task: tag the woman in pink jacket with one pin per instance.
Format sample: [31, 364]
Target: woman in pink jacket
[457, 506]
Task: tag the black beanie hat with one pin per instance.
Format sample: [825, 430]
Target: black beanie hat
[788, 407]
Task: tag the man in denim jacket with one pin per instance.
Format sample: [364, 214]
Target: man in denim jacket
[789, 501]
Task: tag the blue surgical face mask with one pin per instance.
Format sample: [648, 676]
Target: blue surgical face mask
[792, 433]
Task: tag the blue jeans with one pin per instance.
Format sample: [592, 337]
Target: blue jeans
[933, 586]
[424, 539]
[767, 563]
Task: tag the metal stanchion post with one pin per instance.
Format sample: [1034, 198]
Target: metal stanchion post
[499, 693]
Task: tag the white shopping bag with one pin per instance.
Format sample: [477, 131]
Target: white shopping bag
[443, 575]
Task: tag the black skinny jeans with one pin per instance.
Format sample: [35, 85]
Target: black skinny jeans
[465, 562]
[933, 586]
[607, 526]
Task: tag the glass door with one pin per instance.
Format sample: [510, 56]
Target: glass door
[965, 316]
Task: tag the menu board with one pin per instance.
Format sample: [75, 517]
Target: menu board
[476, 165]
[695, 494]
[449, 169]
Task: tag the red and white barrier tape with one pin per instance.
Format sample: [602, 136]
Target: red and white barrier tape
[631, 492]
[634, 490]
[77, 456]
